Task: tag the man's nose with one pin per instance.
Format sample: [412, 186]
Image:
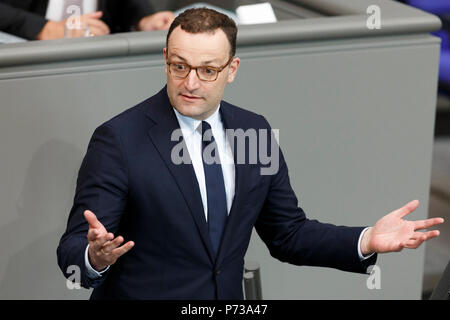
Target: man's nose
[192, 81]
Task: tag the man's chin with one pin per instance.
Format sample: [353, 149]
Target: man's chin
[190, 110]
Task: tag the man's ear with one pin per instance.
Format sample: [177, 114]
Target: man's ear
[234, 65]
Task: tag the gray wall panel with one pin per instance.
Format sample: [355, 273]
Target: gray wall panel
[357, 137]
[355, 126]
[45, 126]
[355, 113]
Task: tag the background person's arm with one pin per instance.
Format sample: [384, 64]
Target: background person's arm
[55, 29]
[123, 16]
[158, 21]
[20, 23]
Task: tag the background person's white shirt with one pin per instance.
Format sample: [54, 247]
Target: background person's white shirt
[55, 9]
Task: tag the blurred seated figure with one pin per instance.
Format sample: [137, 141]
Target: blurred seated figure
[432, 6]
[46, 19]
[441, 8]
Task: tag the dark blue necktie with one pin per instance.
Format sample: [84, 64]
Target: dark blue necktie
[215, 187]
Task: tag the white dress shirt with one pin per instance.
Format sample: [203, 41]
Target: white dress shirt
[193, 140]
[55, 9]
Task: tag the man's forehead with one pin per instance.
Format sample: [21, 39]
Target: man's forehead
[201, 59]
[205, 43]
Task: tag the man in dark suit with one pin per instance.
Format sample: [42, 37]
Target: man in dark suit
[148, 176]
[27, 18]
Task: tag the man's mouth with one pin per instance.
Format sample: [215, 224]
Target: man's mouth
[188, 97]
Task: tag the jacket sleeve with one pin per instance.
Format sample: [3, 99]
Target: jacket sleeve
[292, 237]
[138, 9]
[19, 22]
[122, 16]
[102, 187]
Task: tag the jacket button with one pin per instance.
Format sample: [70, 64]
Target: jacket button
[218, 271]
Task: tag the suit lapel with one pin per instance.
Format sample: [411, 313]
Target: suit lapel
[164, 123]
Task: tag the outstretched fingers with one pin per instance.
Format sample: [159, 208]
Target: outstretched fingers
[425, 224]
[120, 251]
[419, 237]
[109, 246]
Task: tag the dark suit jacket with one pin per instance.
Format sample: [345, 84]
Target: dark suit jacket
[129, 181]
[26, 18]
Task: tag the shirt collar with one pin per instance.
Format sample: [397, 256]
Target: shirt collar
[189, 125]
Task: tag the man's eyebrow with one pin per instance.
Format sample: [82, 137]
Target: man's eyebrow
[177, 56]
[210, 61]
[205, 63]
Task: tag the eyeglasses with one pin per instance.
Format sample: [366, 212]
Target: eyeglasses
[181, 70]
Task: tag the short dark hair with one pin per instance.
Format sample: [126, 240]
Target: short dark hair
[200, 20]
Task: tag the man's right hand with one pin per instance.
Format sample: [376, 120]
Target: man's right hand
[55, 29]
[104, 250]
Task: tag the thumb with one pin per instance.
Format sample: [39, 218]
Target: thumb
[407, 208]
[92, 219]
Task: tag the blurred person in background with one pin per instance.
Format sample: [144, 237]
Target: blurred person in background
[46, 19]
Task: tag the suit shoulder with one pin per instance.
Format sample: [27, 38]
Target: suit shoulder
[246, 116]
[129, 118]
[241, 111]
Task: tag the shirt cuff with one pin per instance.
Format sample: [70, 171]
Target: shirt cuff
[91, 272]
[361, 257]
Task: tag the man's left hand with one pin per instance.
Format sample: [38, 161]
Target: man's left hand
[158, 21]
[391, 233]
